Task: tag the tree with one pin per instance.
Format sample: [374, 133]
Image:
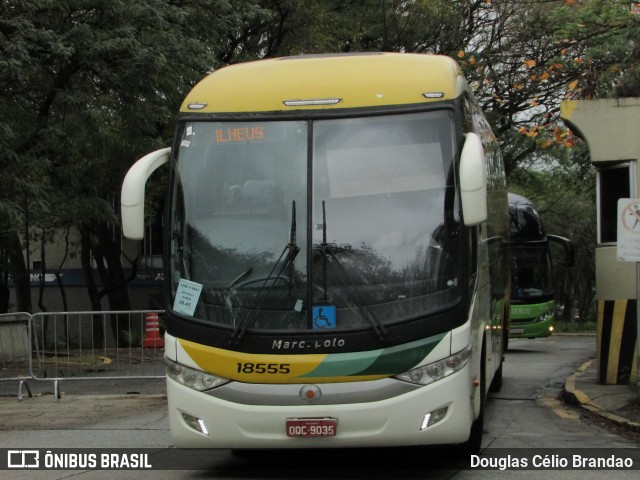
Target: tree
[85, 88]
[521, 57]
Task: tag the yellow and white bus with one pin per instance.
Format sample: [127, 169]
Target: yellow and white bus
[336, 255]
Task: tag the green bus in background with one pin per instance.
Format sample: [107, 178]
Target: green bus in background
[533, 305]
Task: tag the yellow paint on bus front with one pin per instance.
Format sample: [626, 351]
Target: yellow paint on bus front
[250, 367]
[269, 368]
[356, 80]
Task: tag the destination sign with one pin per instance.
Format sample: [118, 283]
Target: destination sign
[240, 134]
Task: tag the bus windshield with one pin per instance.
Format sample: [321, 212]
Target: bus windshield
[531, 275]
[315, 224]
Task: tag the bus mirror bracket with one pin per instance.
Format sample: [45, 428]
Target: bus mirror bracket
[567, 246]
[473, 181]
[133, 191]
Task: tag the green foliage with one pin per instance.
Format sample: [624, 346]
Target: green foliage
[600, 45]
[574, 327]
[87, 87]
[132, 338]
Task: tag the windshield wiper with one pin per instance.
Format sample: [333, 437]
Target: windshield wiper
[327, 252]
[291, 250]
[240, 277]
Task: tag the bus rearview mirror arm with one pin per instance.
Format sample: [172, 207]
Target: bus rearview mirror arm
[473, 181]
[133, 191]
[568, 248]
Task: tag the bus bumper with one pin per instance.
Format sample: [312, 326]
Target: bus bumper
[531, 330]
[199, 420]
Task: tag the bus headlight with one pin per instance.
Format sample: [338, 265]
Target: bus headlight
[437, 370]
[192, 378]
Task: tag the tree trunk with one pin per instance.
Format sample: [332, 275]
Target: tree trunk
[104, 244]
[92, 289]
[19, 273]
[5, 293]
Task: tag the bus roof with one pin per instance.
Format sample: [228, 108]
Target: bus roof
[330, 81]
[525, 221]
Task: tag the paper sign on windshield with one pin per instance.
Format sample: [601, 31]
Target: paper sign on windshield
[187, 297]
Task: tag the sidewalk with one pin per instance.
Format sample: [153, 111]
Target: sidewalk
[81, 403]
[615, 403]
[41, 412]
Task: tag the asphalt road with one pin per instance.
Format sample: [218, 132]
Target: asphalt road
[526, 414]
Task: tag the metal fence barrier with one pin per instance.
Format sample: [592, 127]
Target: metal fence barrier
[15, 351]
[68, 346]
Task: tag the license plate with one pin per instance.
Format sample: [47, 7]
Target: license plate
[311, 427]
[516, 330]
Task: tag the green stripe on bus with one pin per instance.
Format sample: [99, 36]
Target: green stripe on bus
[385, 361]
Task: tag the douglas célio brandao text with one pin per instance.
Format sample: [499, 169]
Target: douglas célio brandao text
[551, 461]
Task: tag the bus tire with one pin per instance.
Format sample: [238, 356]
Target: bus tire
[473, 444]
[244, 453]
[496, 383]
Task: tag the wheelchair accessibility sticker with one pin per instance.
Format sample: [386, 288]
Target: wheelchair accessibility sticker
[324, 317]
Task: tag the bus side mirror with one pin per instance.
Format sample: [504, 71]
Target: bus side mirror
[132, 195]
[473, 181]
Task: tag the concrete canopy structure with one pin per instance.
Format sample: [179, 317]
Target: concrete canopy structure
[610, 128]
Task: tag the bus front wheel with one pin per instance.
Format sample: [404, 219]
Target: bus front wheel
[473, 444]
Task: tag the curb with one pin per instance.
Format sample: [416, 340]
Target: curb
[573, 396]
[82, 397]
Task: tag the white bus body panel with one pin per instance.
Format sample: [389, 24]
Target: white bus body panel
[387, 423]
